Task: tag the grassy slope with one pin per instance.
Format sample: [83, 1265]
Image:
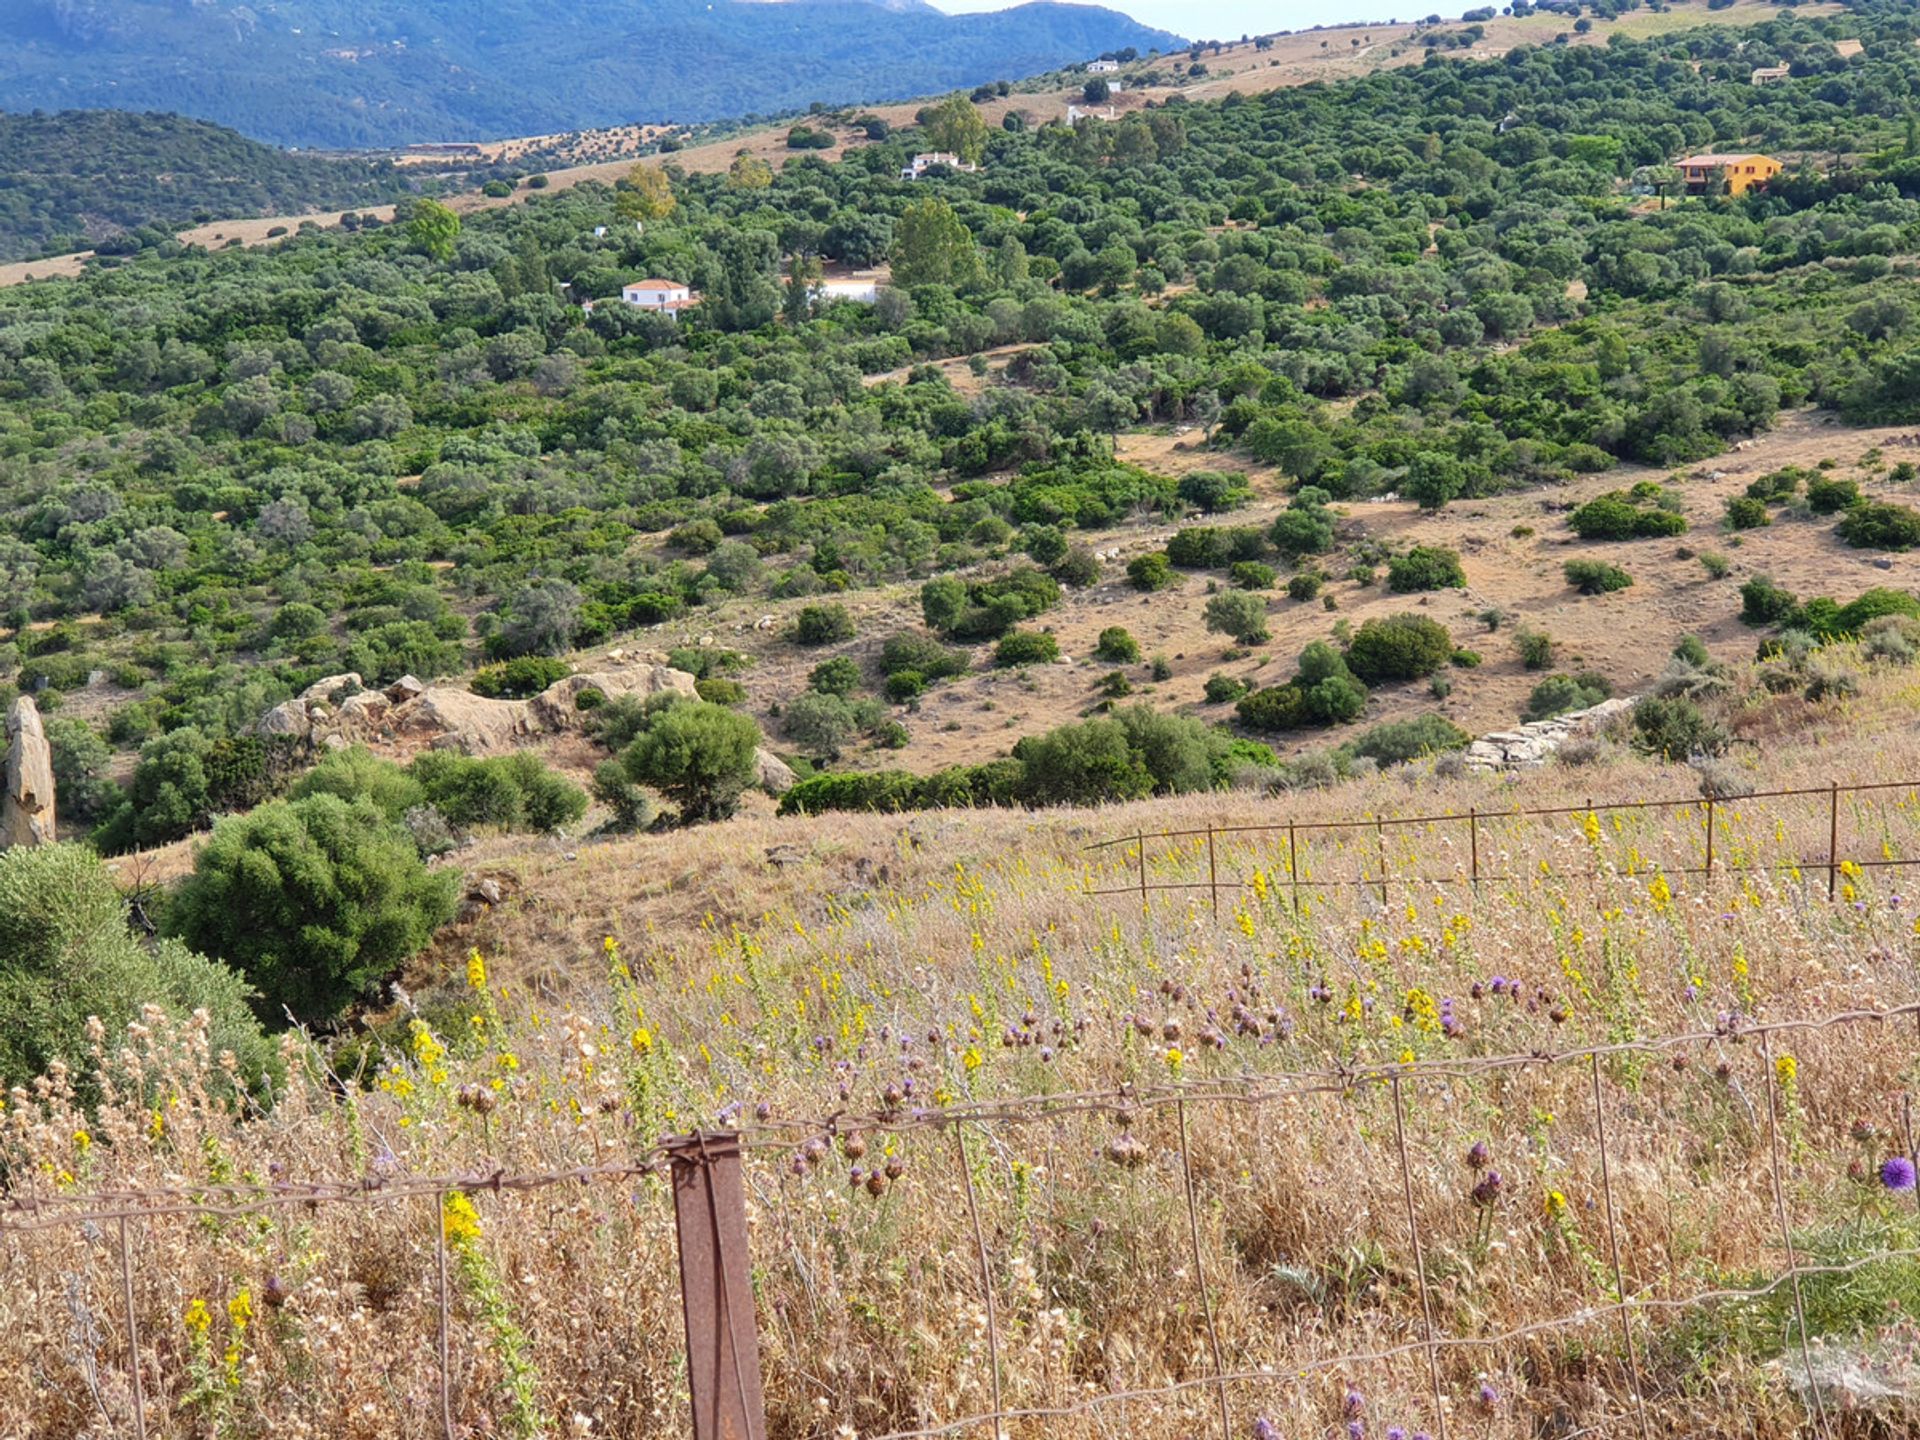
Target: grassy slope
[734, 980]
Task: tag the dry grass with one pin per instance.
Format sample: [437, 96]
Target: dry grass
[951, 954]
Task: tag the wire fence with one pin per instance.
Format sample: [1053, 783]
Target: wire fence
[715, 1259]
[1829, 830]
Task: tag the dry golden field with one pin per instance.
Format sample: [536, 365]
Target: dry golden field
[624, 990]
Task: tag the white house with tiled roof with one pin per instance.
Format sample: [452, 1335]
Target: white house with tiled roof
[667, 297]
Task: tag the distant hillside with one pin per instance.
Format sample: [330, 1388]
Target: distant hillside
[80, 178]
[346, 72]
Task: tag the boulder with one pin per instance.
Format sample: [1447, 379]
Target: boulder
[406, 688]
[334, 688]
[771, 773]
[289, 719]
[460, 720]
[26, 813]
[557, 707]
[364, 712]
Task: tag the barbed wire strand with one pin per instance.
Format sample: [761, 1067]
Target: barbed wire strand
[38, 1211]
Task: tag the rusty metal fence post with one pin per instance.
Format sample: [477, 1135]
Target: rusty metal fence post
[1213, 875]
[1293, 866]
[1140, 844]
[716, 1290]
[1833, 837]
[1473, 843]
[1709, 838]
[133, 1335]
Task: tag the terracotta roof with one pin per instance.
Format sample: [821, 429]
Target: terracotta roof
[1715, 161]
[656, 284]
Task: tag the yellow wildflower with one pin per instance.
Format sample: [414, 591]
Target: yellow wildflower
[459, 1221]
[197, 1319]
[476, 970]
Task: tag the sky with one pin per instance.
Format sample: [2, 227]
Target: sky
[1230, 19]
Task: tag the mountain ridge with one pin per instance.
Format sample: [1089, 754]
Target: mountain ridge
[339, 73]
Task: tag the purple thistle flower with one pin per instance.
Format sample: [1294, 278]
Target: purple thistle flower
[1354, 1404]
[1396, 1432]
[1479, 1155]
[1897, 1173]
[1265, 1429]
[1489, 1397]
[1356, 1430]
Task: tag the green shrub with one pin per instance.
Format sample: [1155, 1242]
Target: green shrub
[720, 690]
[904, 685]
[1026, 647]
[1764, 603]
[1535, 648]
[984, 609]
[1626, 515]
[315, 901]
[1251, 575]
[357, 773]
[838, 676]
[1303, 586]
[1222, 688]
[1717, 566]
[1828, 496]
[923, 655]
[1136, 752]
[1213, 490]
[67, 955]
[1676, 729]
[590, 697]
[820, 723]
[1402, 647]
[1077, 568]
[1113, 685]
[630, 807]
[1239, 614]
[1150, 572]
[1394, 742]
[1558, 694]
[1776, 486]
[702, 757]
[1880, 525]
[1746, 513]
[822, 625]
[1277, 707]
[1596, 577]
[512, 792]
[1117, 646]
[1857, 614]
[1425, 567]
[518, 679]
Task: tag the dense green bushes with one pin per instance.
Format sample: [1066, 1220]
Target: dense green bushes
[1394, 742]
[984, 609]
[1880, 525]
[1595, 577]
[1132, 753]
[1403, 647]
[1634, 514]
[1425, 567]
[518, 679]
[314, 900]
[66, 955]
[1558, 694]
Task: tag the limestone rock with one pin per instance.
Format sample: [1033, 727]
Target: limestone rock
[288, 719]
[406, 688]
[26, 814]
[771, 773]
[557, 707]
[334, 688]
[459, 720]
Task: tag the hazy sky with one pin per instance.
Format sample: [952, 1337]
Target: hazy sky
[1230, 19]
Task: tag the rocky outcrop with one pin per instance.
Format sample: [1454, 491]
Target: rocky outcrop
[1527, 746]
[771, 773]
[26, 813]
[340, 710]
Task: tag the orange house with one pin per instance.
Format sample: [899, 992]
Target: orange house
[1741, 172]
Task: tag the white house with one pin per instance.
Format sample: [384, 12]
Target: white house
[666, 297]
[1772, 74]
[923, 161]
[1103, 67]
